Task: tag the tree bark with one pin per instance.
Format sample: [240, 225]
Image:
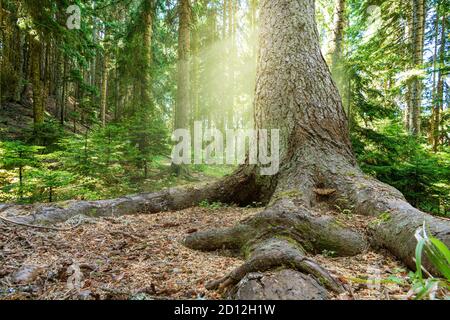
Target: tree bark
[418, 21]
[336, 53]
[62, 111]
[435, 114]
[38, 90]
[183, 103]
[195, 97]
[439, 98]
[104, 89]
[145, 85]
[336, 48]
[183, 82]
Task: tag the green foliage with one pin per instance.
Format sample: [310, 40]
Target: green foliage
[16, 155]
[394, 157]
[47, 134]
[212, 205]
[328, 253]
[374, 78]
[102, 162]
[439, 255]
[49, 181]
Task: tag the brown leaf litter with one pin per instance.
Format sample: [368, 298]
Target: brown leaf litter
[142, 257]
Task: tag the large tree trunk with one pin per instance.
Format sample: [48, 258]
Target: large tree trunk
[294, 93]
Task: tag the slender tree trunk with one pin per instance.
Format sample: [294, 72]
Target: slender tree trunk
[439, 101]
[224, 18]
[145, 86]
[117, 95]
[183, 108]
[209, 97]
[146, 104]
[19, 67]
[253, 9]
[21, 183]
[57, 79]
[434, 85]
[336, 52]
[183, 81]
[418, 47]
[234, 56]
[104, 95]
[38, 90]
[62, 105]
[195, 99]
[409, 27]
[336, 48]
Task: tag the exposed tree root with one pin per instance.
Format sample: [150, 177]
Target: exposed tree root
[282, 284]
[39, 227]
[278, 253]
[169, 199]
[315, 233]
[278, 238]
[397, 221]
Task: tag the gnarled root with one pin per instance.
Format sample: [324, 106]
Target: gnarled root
[169, 199]
[396, 220]
[282, 284]
[276, 253]
[278, 238]
[313, 231]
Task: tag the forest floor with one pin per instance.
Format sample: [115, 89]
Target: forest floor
[142, 257]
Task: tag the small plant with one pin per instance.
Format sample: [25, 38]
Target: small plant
[439, 255]
[212, 205]
[18, 156]
[51, 180]
[343, 206]
[383, 217]
[328, 253]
